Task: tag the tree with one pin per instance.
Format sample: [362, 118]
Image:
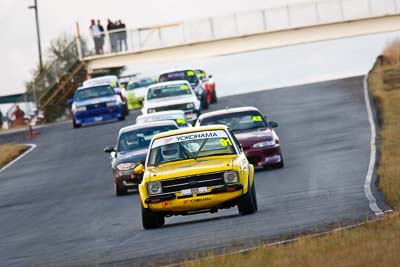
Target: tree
[61, 57]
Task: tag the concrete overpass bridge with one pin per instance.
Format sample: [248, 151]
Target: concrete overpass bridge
[245, 31]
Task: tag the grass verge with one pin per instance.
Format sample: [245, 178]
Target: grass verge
[384, 84]
[376, 243]
[9, 152]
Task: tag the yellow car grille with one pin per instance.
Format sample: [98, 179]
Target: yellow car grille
[189, 182]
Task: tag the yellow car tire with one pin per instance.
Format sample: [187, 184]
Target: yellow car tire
[247, 204]
[151, 219]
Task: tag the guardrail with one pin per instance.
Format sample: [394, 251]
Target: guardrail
[241, 24]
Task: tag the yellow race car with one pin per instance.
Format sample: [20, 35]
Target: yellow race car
[195, 170]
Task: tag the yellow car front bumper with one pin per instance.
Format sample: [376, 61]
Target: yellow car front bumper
[176, 203]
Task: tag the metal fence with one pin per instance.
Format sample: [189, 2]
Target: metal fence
[241, 24]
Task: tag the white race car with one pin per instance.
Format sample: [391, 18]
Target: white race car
[177, 116]
[175, 95]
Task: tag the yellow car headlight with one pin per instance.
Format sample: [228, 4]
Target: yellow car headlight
[231, 177]
[154, 188]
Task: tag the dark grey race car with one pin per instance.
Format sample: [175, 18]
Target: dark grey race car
[131, 150]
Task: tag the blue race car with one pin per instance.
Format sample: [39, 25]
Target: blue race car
[95, 104]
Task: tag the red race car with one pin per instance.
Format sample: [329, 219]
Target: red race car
[256, 135]
[208, 84]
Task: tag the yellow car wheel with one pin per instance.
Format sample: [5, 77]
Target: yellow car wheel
[151, 220]
[253, 189]
[247, 204]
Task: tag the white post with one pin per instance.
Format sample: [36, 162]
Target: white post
[236, 24]
[212, 28]
[28, 110]
[395, 5]
[160, 37]
[341, 9]
[108, 40]
[183, 31]
[140, 39]
[34, 95]
[79, 47]
[131, 40]
[370, 11]
[317, 17]
[78, 42]
[264, 18]
[288, 16]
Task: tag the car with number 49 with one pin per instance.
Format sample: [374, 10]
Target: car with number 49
[195, 170]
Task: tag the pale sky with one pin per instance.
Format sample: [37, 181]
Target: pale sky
[18, 43]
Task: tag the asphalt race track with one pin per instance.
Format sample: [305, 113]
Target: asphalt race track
[57, 204]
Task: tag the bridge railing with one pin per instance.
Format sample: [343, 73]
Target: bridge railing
[311, 13]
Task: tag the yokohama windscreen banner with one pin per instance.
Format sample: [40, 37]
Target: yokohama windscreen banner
[189, 137]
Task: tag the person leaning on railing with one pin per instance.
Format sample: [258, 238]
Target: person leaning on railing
[96, 34]
[122, 35]
[111, 26]
[102, 36]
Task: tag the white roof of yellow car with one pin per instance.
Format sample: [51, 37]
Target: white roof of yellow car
[191, 130]
[146, 125]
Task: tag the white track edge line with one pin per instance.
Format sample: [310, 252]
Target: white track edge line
[367, 185]
[32, 147]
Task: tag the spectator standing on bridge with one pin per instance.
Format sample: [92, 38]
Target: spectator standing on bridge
[102, 36]
[122, 35]
[95, 31]
[111, 27]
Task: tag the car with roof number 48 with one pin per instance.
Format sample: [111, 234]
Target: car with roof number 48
[195, 170]
[190, 76]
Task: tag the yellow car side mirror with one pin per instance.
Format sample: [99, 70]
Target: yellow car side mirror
[139, 169]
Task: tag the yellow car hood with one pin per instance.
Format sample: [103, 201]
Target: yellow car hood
[190, 167]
